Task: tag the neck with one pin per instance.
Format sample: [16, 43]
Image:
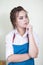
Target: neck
[21, 31]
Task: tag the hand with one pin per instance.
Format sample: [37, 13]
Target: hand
[29, 28]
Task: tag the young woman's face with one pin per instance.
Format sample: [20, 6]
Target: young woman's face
[22, 19]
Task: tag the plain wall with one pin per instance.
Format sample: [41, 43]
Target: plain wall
[35, 10]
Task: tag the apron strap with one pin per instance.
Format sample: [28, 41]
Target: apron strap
[13, 38]
[28, 37]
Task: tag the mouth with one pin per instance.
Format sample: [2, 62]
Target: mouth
[25, 23]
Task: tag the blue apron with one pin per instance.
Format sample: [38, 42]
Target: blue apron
[22, 49]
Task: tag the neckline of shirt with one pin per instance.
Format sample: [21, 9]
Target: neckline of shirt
[16, 32]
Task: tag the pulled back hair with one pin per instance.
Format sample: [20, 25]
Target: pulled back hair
[13, 14]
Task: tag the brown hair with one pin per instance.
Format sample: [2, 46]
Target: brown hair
[13, 14]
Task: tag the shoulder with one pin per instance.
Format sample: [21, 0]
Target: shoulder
[36, 37]
[9, 36]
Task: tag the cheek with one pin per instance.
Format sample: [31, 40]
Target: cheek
[20, 22]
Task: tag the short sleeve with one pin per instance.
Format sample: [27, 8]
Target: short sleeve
[9, 48]
[36, 38]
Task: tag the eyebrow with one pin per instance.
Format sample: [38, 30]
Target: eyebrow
[22, 15]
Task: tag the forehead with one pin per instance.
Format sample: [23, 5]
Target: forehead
[21, 13]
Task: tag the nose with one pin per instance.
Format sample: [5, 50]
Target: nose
[25, 20]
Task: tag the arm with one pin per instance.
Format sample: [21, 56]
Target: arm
[11, 57]
[33, 49]
[18, 57]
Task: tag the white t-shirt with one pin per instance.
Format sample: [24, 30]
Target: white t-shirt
[18, 40]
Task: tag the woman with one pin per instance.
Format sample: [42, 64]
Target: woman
[21, 44]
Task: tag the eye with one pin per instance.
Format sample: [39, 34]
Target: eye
[21, 17]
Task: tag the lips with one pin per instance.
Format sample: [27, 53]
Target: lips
[26, 23]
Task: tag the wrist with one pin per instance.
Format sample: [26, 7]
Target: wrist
[29, 55]
[30, 33]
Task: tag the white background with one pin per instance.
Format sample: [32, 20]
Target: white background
[35, 10]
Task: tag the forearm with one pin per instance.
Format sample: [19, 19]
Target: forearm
[33, 49]
[18, 57]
